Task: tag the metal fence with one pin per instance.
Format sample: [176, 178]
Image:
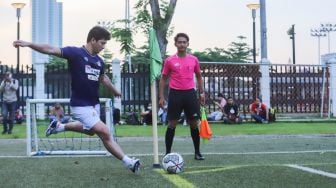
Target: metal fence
[293, 88]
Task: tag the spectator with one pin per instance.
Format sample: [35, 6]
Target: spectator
[146, 114]
[231, 112]
[221, 103]
[18, 116]
[259, 111]
[8, 88]
[57, 113]
[162, 114]
[218, 114]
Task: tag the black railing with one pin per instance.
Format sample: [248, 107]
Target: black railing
[293, 88]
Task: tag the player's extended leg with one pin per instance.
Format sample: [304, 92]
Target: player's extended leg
[104, 134]
[56, 127]
[170, 133]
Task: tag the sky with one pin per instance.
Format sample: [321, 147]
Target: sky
[209, 24]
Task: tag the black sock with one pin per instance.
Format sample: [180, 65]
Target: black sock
[196, 139]
[170, 133]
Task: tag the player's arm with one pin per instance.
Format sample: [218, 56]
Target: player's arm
[162, 83]
[42, 48]
[105, 80]
[200, 87]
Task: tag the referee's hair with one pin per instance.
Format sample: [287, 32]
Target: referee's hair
[181, 35]
[98, 33]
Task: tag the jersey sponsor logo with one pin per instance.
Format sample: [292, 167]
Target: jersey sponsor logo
[90, 70]
[93, 77]
[92, 73]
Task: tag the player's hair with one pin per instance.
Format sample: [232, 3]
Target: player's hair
[220, 95]
[181, 35]
[229, 98]
[98, 33]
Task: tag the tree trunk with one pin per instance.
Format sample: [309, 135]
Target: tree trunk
[161, 25]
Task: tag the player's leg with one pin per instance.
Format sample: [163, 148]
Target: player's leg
[104, 134]
[191, 109]
[173, 114]
[90, 119]
[76, 126]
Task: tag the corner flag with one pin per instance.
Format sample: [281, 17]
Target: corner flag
[155, 71]
[155, 56]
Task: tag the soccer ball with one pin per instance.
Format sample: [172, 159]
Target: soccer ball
[173, 163]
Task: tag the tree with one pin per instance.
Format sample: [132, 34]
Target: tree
[58, 62]
[213, 55]
[160, 20]
[239, 51]
[124, 36]
[141, 55]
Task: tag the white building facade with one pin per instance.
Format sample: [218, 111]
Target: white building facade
[47, 29]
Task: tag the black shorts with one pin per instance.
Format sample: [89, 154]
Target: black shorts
[183, 100]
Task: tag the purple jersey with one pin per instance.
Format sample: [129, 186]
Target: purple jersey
[85, 70]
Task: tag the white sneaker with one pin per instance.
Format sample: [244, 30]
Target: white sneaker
[135, 166]
[52, 128]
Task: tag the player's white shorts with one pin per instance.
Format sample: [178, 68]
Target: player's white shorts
[87, 115]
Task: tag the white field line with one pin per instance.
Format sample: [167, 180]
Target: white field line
[246, 153]
[313, 171]
[205, 153]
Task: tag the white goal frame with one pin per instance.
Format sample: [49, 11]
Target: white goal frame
[32, 137]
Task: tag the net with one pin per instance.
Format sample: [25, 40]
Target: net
[63, 143]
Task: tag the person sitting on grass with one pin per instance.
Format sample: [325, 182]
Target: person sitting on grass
[57, 113]
[231, 112]
[218, 114]
[259, 111]
[146, 114]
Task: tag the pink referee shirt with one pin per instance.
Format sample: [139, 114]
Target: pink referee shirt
[181, 71]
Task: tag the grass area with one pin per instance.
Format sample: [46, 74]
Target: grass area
[238, 161]
[218, 129]
[216, 171]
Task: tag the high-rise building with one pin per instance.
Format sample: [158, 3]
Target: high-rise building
[46, 26]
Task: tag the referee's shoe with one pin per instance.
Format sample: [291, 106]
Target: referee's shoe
[198, 156]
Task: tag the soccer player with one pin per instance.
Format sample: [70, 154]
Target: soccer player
[87, 72]
[180, 68]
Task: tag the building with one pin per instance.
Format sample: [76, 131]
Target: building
[46, 26]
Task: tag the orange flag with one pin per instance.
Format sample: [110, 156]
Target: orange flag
[205, 130]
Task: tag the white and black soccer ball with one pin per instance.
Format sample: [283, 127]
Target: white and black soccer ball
[173, 163]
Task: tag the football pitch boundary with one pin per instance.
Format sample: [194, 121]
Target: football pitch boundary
[181, 182]
[312, 170]
[205, 153]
